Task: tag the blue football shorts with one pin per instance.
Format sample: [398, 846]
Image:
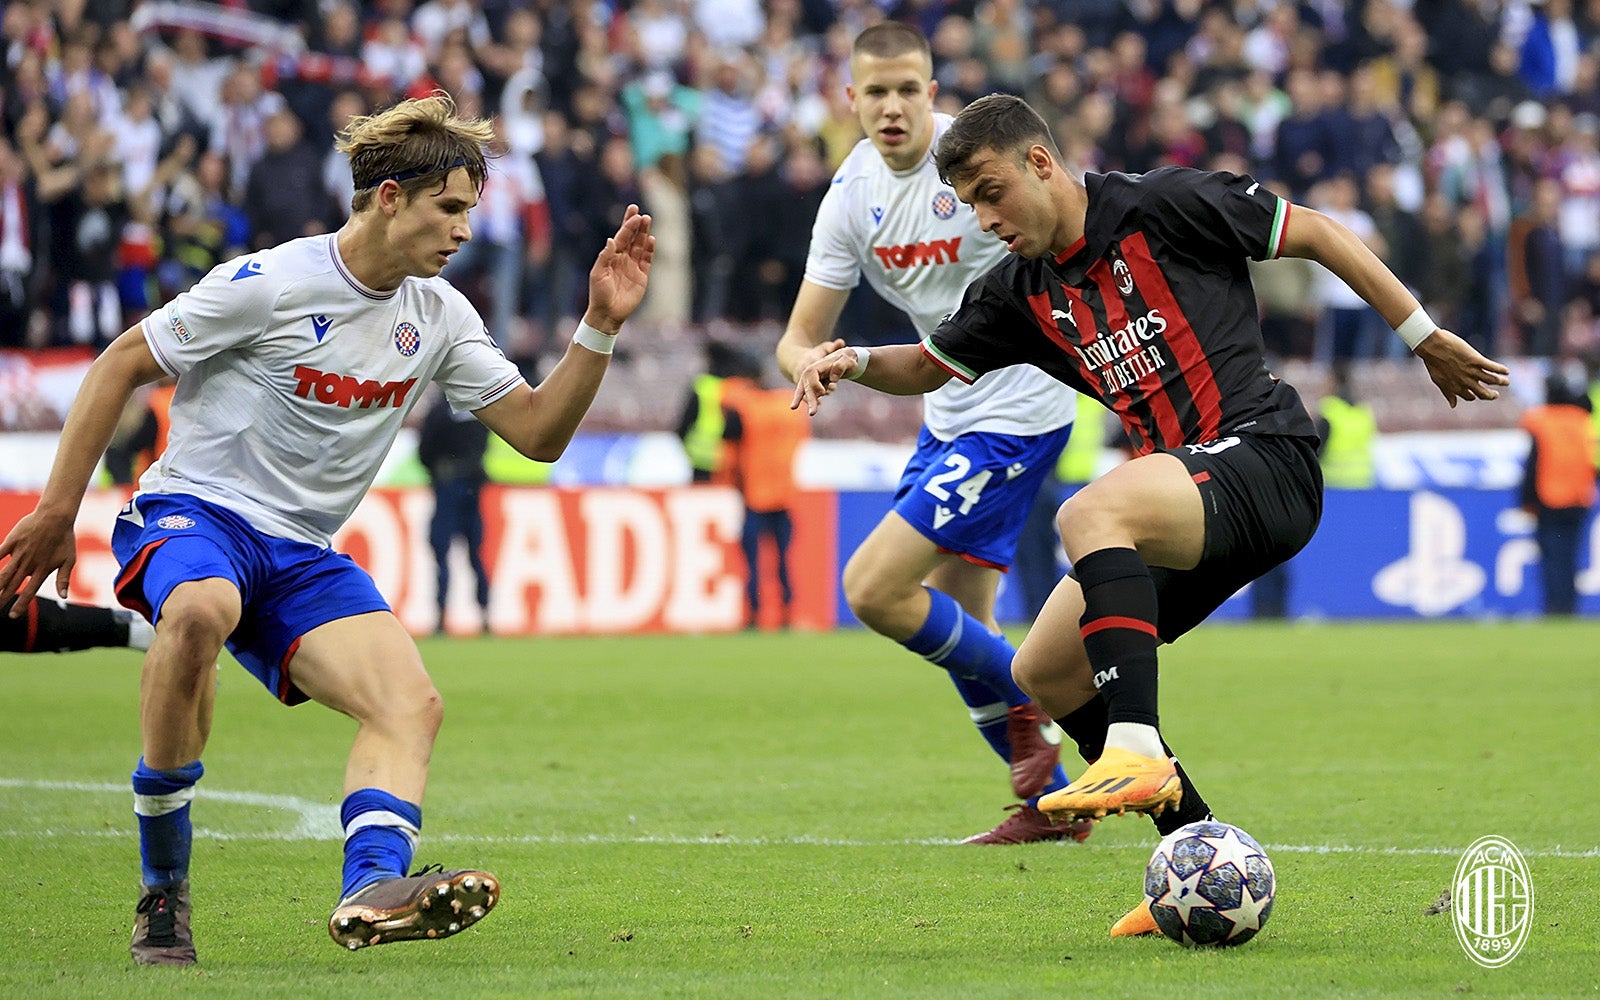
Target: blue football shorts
[971, 496]
[287, 588]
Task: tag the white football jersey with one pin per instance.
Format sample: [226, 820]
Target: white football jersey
[920, 248]
[294, 380]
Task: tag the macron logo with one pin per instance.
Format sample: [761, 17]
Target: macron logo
[320, 325]
[343, 390]
[250, 269]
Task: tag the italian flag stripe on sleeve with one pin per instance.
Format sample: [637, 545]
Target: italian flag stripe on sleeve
[1280, 222]
[948, 363]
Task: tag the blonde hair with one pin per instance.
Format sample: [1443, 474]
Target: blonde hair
[416, 143]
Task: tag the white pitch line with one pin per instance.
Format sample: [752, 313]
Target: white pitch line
[319, 821]
[313, 820]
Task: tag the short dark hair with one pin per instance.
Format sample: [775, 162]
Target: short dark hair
[889, 39]
[999, 122]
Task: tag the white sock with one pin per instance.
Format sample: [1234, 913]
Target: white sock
[140, 632]
[1135, 737]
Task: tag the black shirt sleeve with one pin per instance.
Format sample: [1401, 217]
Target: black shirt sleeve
[988, 332]
[1214, 211]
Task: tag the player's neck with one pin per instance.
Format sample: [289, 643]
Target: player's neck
[363, 246]
[1072, 209]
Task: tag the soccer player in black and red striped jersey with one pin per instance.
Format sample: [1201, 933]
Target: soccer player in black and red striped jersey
[1134, 289]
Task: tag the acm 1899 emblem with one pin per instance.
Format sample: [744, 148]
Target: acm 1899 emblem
[1492, 901]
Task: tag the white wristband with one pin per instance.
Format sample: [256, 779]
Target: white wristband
[1416, 328]
[862, 354]
[594, 340]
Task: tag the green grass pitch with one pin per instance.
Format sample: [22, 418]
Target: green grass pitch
[775, 816]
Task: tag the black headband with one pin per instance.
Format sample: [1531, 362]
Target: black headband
[406, 175]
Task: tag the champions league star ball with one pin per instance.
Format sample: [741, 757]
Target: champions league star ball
[1209, 884]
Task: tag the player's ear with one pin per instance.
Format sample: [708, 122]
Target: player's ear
[1041, 161]
[389, 194]
[933, 90]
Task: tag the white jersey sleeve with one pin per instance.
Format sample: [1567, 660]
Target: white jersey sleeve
[473, 372]
[220, 312]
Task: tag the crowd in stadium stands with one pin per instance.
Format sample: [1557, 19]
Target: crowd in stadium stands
[146, 142]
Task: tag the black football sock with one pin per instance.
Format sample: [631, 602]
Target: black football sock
[48, 627]
[1119, 632]
[1191, 809]
[1086, 726]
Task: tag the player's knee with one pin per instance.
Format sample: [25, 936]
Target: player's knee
[872, 599]
[199, 618]
[1028, 672]
[1082, 519]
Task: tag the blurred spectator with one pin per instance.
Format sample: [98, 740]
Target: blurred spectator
[284, 197]
[661, 117]
[19, 226]
[713, 208]
[729, 120]
[1346, 315]
[197, 77]
[1400, 230]
[1402, 77]
[764, 434]
[87, 213]
[239, 130]
[670, 298]
[1538, 273]
[1549, 45]
[202, 227]
[1300, 155]
[562, 171]
[336, 179]
[451, 447]
[436, 20]
[136, 141]
[1577, 166]
[1558, 487]
[729, 24]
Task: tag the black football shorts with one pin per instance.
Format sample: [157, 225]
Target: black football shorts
[1263, 499]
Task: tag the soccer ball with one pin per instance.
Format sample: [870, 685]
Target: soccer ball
[1209, 884]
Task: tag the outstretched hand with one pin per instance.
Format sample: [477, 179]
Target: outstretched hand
[621, 272]
[821, 377]
[37, 546]
[1459, 370]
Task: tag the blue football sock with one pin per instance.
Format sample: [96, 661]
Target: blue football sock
[989, 715]
[1058, 780]
[380, 834]
[962, 645]
[161, 801]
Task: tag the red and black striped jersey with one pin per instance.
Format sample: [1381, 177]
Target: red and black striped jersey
[1151, 312]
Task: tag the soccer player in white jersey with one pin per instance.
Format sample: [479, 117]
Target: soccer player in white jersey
[927, 574]
[296, 367]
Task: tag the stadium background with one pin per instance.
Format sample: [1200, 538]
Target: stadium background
[147, 141]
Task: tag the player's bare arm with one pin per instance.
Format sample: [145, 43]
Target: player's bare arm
[899, 369]
[42, 542]
[806, 337]
[1456, 367]
[540, 422]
